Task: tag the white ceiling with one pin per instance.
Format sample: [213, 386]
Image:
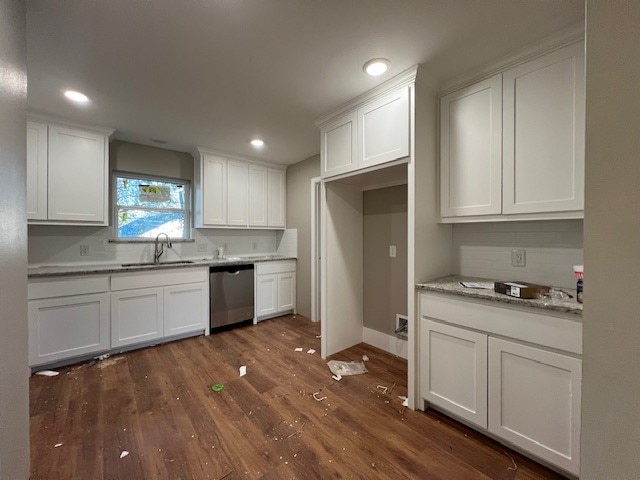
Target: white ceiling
[216, 73]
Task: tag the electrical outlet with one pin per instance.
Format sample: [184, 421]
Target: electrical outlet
[203, 248]
[84, 250]
[392, 251]
[518, 258]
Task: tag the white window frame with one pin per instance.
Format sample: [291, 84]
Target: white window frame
[155, 178]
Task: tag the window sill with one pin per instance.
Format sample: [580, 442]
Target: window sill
[149, 240]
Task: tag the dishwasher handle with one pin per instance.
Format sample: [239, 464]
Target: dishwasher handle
[237, 272]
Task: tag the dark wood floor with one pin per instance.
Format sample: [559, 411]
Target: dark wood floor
[157, 404]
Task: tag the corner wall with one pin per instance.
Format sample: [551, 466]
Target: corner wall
[14, 370]
[299, 217]
[611, 318]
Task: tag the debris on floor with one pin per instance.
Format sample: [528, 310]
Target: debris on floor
[338, 367]
[104, 361]
[243, 370]
[57, 445]
[124, 454]
[405, 400]
[318, 336]
[382, 388]
[515, 467]
[365, 358]
[299, 349]
[47, 373]
[317, 398]
[217, 387]
[103, 357]
[337, 378]
[311, 350]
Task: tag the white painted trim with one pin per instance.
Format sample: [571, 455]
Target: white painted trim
[198, 151]
[395, 183]
[389, 343]
[323, 278]
[315, 184]
[52, 120]
[373, 168]
[413, 363]
[515, 217]
[402, 79]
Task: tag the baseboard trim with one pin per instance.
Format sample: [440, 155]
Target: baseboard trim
[389, 343]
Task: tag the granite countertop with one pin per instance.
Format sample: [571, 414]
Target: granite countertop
[450, 285]
[100, 268]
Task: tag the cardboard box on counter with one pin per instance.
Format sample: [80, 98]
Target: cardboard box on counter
[521, 290]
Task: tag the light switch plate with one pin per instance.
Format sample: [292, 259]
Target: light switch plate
[518, 258]
[392, 251]
[203, 248]
[84, 250]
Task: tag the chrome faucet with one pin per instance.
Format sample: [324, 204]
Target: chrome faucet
[158, 248]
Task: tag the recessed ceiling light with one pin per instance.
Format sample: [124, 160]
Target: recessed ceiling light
[256, 142]
[376, 66]
[76, 96]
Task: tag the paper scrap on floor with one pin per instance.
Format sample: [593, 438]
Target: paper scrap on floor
[124, 454]
[479, 285]
[243, 371]
[311, 351]
[47, 373]
[299, 349]
[341, 368]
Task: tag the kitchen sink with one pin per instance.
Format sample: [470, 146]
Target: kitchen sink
[151, 264]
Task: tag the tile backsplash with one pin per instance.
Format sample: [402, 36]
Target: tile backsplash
[552, 248]
[61, 245]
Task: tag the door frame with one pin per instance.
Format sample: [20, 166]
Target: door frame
[316, 230]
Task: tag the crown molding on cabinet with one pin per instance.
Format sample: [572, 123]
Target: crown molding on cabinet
[49, 119]
[404, 78]
[196, 152]
[542, 47]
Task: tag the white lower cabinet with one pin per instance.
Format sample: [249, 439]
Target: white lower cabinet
[66, 327]
[534, 401]
[275, 288]
[136, 316]
[186, 308]
[526, 394]
[456, 370]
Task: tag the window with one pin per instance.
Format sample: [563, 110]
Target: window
[145, 206]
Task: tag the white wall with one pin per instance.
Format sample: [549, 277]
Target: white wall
[56, 245]
[552, 248]
[14, 370]
[611, 319]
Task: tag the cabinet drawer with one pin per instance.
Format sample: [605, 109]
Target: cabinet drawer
[268, 268]
[161, 278]
[64, 287]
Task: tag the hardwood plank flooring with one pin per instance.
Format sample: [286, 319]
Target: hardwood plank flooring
[157, 404]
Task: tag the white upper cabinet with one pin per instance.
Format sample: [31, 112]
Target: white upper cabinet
[67, 175]
[338, 147]
[237, 193]
[543, 137]
[276, 198]
[383, 129]
[257, 196]
[213, 192]
[512, 146]
[36, 171]
[471, 150]
[372, 131]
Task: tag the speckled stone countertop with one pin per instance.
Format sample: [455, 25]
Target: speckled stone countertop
[99, 268]
[451, 285]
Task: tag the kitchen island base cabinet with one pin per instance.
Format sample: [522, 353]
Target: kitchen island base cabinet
[136, 316]
[534, 401]
[456, 370]
[66, 327]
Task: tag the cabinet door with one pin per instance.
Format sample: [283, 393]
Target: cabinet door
[454, 370]
[286, 292]
[78, 173]
[186, 308]
[136, 316]
[257, 196]
[266, 295]
[544, 133]
[383, 129]
[338, 146]
[534, 401]
[277, 195]
[237, 193]
[471, 150]
[67, 327]
[36, 171]
[214, 190]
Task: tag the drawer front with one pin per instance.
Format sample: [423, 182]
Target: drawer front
[67, 286]
[517, 323]
[268, 268]
[160, 278]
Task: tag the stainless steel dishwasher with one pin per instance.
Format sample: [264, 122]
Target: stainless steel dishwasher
[231, 295]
